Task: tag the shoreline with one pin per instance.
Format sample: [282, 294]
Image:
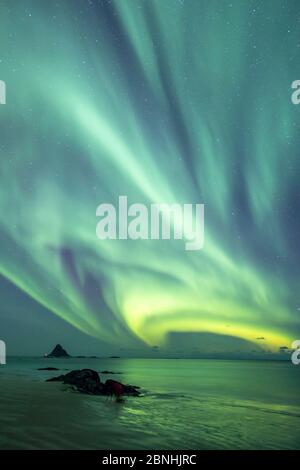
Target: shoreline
[202, 404]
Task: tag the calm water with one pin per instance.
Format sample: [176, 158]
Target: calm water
[186, 404]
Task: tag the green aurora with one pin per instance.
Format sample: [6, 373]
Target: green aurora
[162, 101]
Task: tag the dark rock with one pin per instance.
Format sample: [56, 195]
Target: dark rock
[87, 357]
[111, 385]
[109, 372]
[58, 351]
[85, 381]
[114, 357]
[132, 390]
[88, 381]
[48, 368]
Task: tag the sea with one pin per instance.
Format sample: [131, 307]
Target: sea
[185, 404]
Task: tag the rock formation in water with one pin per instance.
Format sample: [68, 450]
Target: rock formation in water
[110, 372]
[58, 351]
[88, 381]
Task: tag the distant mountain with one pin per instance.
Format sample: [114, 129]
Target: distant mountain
[58, 351]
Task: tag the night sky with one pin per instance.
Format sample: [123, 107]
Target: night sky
[160, 100]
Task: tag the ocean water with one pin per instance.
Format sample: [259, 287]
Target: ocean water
[186, 404]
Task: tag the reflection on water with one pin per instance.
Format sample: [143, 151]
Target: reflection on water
[200, 404]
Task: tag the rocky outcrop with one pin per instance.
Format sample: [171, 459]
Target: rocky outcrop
[113, 387]
[88, 381]
[110, 372]
[85, 381]
[58, 351]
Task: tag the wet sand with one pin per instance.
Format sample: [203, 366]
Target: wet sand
[188, 404]
[39, 415]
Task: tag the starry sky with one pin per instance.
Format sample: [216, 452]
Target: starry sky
[184, 101]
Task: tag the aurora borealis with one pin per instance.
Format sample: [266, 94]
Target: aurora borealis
[162, 101]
